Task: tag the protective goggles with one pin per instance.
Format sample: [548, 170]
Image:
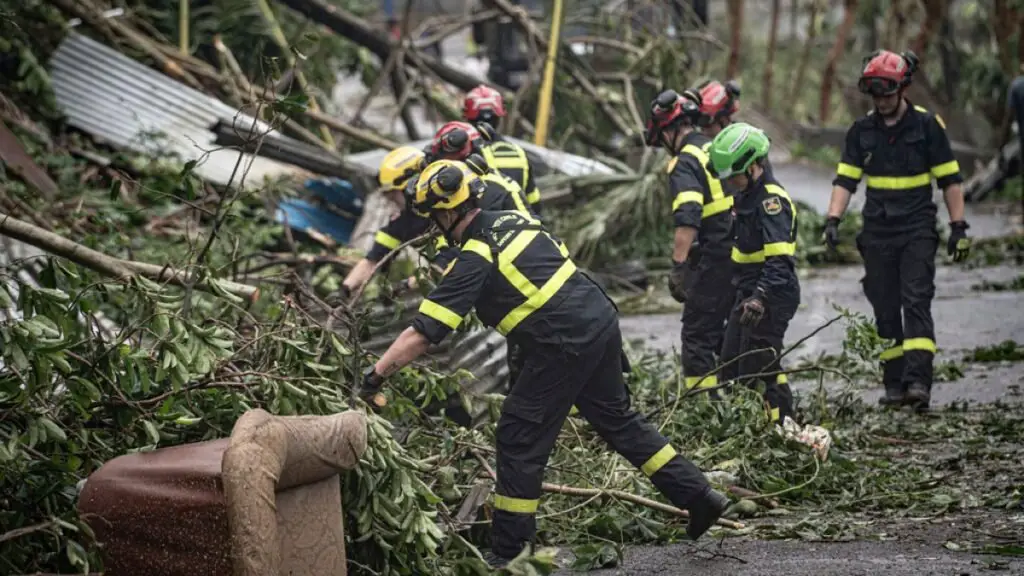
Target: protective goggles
[878, 86]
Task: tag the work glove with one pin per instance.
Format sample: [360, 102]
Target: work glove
[752, 309]
[831, 233]
[339, 296]
[369, 390]
[959, 245]
[677, 281]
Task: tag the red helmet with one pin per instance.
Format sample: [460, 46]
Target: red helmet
[718, 101]
[669, 109]
[454, 141]
[886, 72]
[483, 103]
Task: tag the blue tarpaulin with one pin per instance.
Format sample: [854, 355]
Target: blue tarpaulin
[316, 212]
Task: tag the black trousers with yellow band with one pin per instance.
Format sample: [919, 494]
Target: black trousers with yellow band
[899, 282]
[709, 299]
[532, 416]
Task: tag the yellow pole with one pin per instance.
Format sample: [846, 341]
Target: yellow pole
[183, 26]
[547, 87]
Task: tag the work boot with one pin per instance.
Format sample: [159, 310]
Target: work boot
[918, 397]
[894, 397]
[495, 561]
[705, 512]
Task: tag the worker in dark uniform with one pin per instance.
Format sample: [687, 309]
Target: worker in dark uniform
[900, 148]
[521, 281]
[484, 107]
[701, 272]
[767, 288]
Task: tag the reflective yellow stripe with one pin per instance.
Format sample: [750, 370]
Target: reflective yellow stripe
[774, 414]
[672, 164]
[782, 379]
[925, 344]
[717, 207]
[891, 353]
[946, 169]
[533, 197]
[537, 298]
[717, 193]
[506, 258]
[441, 314]
[563, 249]
[574, 410]
[516, 193]
[701, 382]
[387, 240]
[441, 242]
[744, 258]
[849, 170]
[899, 182]
[449, 267]
[660, 458]
[516, 505]
[780, 249]
[688, 196]
[480, 248]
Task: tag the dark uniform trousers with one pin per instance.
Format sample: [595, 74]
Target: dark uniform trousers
[709, 298]
[532, 416]
[751, 350]
[899, 282]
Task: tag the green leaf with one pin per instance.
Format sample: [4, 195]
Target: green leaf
[151, 431]
[115, 189]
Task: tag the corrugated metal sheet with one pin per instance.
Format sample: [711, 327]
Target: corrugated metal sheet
[122, 102]
[553, 160]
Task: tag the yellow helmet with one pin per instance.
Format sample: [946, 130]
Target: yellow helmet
[399, 166]
[447, 185]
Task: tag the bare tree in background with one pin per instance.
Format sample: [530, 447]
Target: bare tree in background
[805, 54]
[934, 13]
[794, 13]
[834, 55]
[766, 81]
[735, 37]
[1006, 20]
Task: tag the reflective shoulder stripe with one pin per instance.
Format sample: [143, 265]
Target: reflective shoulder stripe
[534, 196]
[440, 313]
[477, 247]
[714, 185]
[386, 240]
[921, 109]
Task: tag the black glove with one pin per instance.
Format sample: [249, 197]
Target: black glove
[959, 245]
[677, 281]
[370, 387]
[339, 296]
[753, 309]
[831, 233]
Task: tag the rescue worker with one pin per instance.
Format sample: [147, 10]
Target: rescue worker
[718, 104]
[767, 288]
[484, 107]
[900, 148]
[701, 271]
[521, 281]
[398, 168]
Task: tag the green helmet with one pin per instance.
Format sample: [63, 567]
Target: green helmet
[736, 148]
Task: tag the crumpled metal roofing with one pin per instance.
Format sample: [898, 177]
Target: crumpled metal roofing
[123, 102]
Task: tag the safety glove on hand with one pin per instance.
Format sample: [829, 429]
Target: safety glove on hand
[369, 389]
[959, 245]
[752, 309]
[677, 281]
[831, 233]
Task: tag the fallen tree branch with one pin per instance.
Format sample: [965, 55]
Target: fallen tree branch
[109, 265]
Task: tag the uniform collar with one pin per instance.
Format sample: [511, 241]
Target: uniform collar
[692, 138]
[473, 228]
[880, 121]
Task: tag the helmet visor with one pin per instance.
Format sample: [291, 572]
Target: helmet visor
[878, 86]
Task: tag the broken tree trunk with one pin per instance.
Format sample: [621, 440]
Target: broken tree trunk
[834, 55]
[363, 33]
[109, 265]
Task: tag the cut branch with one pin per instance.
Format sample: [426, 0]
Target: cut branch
[109, 265]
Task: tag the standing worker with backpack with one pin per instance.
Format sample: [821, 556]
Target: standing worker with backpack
[701, 271]
[901, 148]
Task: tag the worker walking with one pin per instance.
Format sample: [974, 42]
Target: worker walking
[521, 281]
[767, 288]
[484, 107]
[900, 148]
[701, 271]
